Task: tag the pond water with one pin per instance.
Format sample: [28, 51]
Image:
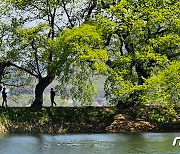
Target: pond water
[147, 143]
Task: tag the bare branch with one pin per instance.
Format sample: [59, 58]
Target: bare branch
[13, 85]
[67, 14]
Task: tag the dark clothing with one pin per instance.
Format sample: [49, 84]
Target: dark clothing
[4, 96]
[52, 94]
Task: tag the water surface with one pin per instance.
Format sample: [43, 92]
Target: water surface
[145, 143]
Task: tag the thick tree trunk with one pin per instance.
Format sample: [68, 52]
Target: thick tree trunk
[40, 87]
[142, 73]
[133, 98]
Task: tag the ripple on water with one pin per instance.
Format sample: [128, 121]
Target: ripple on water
[89, 144]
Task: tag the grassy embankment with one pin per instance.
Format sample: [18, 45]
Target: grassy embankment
[56, 120]
[78, 120]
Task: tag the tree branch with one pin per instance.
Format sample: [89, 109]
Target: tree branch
[12, 85]
[108, 5]
[68, 16]
[173, 55]
[36, 58]
[24, 69]
[3, 65]
[91, 8]
[108, 39]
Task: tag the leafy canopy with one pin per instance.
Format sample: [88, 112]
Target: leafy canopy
[146, 40]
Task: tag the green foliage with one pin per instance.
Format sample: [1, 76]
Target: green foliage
[56, 115]
[163, 87]
[80, 54]
[147, 43]
[82, 44]
[21, 3]
[47, 44]
[35, 41]
[162, 115]
[135, 43]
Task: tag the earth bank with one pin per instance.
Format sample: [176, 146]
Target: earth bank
[79, 120]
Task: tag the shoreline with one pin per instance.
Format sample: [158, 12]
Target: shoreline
[73, 120]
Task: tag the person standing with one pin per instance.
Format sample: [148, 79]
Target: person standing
[52, 95]
[4, 96]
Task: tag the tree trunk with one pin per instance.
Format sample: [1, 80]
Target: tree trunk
[3, 65]
[142, 73]
[40, 87]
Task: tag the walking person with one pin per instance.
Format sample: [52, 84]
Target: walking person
[52, 95]
[4, 96]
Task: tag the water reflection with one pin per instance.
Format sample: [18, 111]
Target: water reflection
[89, 144]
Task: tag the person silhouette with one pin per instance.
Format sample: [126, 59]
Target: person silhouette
[52, 95]
[4, 96]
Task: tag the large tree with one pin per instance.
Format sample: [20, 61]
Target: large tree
[52, 38]
[144, 40]
[69, 39]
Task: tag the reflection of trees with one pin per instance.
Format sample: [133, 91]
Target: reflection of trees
[17, 144]
[45, 143]
[145, 143]
[130, 143]
[88, 144]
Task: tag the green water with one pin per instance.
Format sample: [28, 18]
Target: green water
[145, 143]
